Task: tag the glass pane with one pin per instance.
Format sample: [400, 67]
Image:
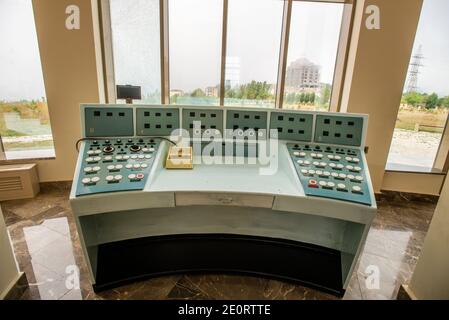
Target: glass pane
[254, 36]
[312, 54]
[136, 44]
[424, 108]
[195, 51]
[24, 121]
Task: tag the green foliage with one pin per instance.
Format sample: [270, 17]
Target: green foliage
[197, 93]
[416, 99]
[254, 90]
[432, 101]
[325, 95]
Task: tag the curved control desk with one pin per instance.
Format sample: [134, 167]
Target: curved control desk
[306, 220]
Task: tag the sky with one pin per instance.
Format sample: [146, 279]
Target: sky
[195, 43]
[433, 35]
[20, 67]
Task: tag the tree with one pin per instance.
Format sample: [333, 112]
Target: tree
[432, 101]
[197, 93]
[445, 102]
[325, 94]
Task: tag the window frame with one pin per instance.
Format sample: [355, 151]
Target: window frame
[339, 70]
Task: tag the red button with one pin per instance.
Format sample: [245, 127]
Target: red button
[313, 184]
[140, 176]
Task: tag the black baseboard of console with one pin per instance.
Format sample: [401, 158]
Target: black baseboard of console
[123, 262]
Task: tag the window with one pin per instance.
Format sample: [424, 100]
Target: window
[312, 53]
[229, 52]
[195, 51]
[24, 120]
[136, 45]
[253, 46]
[424, 108]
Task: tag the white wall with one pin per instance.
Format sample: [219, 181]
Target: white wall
[9, 273]
[377, 68]
[431, 277]
[69, 64]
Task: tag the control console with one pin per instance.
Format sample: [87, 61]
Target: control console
[331, 172]
[112, 165]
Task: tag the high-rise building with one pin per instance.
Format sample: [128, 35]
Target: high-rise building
[232, 73]
[303, 74]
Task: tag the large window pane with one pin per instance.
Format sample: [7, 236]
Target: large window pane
[254, 35]
[424, 109]
[136, 44]
[195, 51]
[24, 121]
[312, 53]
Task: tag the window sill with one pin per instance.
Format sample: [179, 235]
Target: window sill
[401, 168]
[29, 155]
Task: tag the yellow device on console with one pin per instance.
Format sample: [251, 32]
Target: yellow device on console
[179, 158]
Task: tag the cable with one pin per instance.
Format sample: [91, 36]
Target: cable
[77, 145]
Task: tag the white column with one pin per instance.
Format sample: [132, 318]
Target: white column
[9, 272]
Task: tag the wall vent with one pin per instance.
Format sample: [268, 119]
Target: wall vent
[18, 182]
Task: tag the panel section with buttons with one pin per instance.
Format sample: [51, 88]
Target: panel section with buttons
[331, 172]
[116, 165]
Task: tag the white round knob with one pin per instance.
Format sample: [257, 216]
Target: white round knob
[109, 178]
[118, 178]
[341, 186]
[331, 184]
[88, 169]
[86, 180]
[95, 179]
[356, 189]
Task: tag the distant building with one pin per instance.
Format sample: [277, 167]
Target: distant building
[232, 73]
[302, 75]
[212, 91]
[176, 92]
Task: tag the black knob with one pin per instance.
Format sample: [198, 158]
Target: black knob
[140, 140]
[119, 140]
[109, 149]
[134, 148]
[130, 140]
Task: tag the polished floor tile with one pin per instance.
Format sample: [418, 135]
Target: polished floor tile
[48, 251]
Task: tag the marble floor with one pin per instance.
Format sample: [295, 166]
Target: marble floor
[47, 247]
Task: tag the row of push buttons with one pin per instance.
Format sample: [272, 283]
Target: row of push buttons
[118, 158]
[327, 174]
[331, 185]
[321, 156]
[111, 179]
[338, 166]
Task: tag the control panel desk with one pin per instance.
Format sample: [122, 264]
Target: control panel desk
[306, 221]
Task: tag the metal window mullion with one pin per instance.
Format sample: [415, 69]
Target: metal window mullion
[107, 51]
[283, 54]
[341, 62]
[164, 51]
[224, 48]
